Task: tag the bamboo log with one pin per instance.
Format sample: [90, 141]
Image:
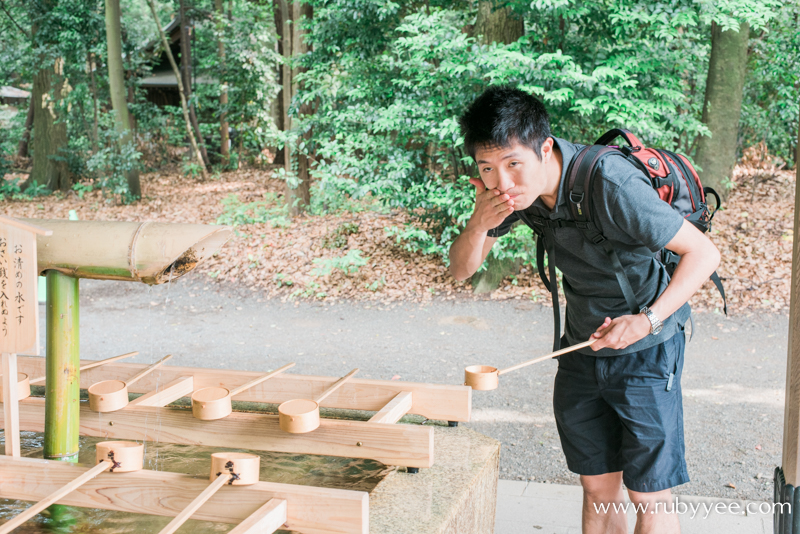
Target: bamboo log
[63, 368]
[148, 252]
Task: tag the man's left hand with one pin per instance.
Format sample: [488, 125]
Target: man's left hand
[621, 332]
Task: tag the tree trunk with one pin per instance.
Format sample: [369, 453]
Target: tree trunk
[497, 24]
[300, 198]
[22, 147]
[722, 107]
[181, 94]
[116, 82]
[277, 107]
[50, 134]
[224, 149]
[186, 74]
[93, 85]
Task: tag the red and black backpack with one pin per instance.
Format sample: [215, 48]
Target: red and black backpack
[673, 178]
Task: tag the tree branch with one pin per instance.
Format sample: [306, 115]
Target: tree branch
[21, 29]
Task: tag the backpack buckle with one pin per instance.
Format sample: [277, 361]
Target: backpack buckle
[573, 199]
[597, 239]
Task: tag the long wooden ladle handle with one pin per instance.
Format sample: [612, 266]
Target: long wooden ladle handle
[98, 363]
[147, 370]
[336, 385]
[198, 501]
[551, 355]
[55, 496]
[260, 379]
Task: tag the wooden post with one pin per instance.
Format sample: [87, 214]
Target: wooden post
[10, 404]
[61, 417]
[787, 476]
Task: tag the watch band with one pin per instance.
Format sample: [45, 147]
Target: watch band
[655, 323]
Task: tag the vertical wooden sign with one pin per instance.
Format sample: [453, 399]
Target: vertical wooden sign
[19, 313]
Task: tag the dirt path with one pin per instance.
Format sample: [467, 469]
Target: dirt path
[733, 377]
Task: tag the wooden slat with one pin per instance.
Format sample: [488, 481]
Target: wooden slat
[265, 520]
[312, 510]
[11, 426]
[434, 401]
[406, 445]
[180, 387]
[394, 410]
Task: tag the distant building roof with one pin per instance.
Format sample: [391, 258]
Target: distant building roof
[166, 78]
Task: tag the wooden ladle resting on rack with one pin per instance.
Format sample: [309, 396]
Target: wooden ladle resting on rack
[214, 402]
[485, 377]
[299, 416]
[112, 395]
[24, 382]
[227, 468]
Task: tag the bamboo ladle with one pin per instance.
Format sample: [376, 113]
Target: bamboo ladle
[302, 415]
[214, 402]
[125, 456]
[485, 377]
[112, 395]
[60, 493]
[231, 468]
[24, 383]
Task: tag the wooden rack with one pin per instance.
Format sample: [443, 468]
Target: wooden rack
[379, 438]
[309, 509]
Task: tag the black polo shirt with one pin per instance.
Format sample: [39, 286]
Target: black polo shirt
[629, 213]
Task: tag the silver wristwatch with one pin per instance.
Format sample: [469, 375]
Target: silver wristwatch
[655, 323]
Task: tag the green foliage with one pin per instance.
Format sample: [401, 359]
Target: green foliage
[337, 238]
[109, 165]
[348, 264]
[270, 210]
[770, 109]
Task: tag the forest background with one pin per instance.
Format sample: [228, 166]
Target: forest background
[326, 131]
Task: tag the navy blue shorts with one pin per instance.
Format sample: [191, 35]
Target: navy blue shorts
[624, 413]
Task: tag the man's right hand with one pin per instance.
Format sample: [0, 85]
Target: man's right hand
[491, 207]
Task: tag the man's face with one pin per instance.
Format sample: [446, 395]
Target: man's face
[515, 170]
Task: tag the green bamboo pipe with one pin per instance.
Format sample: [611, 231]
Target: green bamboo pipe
[62, 367]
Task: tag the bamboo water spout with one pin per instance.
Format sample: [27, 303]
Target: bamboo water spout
[149, 252]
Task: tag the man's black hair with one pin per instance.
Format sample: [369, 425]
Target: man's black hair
[503, 115]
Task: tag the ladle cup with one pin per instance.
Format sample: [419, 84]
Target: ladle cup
[485, 377]
[125, 456]
[112, 395]
[24, 381]
[302, 415]
[214, 402]
[227, 468]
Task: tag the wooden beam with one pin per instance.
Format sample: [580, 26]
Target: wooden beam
[180, 387]
[406, 445]
[434, 401]
[265, 520]
[791, 412]
[312, 510]
[11, 404]
[394, 410]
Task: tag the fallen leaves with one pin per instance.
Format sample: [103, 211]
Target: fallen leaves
[754, 233]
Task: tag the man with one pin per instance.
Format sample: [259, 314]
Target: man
[617, 403]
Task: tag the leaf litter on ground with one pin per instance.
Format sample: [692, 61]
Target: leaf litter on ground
[349, 255]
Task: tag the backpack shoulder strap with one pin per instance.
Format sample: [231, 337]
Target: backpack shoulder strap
[580, 179]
